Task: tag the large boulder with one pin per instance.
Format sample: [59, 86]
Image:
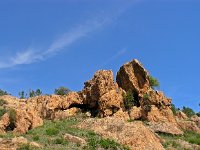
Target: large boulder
[102, 94]
[49, 106]
[133, 76]
[165, 127]
[133, 134]
[196, 119]
[23, 115]
[181, 115]
[154, 105]
[188, 126]
[135, 113]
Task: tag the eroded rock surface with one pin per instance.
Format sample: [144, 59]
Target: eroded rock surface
[102, 94]
[29, 114]
[133, 76]
[134, 134]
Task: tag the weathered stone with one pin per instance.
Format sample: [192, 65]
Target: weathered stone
[135, 113]
[34, 144]
[19, 140]
[160, 115]
[188, 126]
[165, 127]
[133, 134]
[120, 114]
[60, 115]
[182, 116]
[4, 122]
[30, 114]
[102, 94]
[132, 76]
[196, 119]
[110, 103]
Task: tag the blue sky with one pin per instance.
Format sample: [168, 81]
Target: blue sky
[47, 44]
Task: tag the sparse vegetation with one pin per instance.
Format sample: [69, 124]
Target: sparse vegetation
[153, 82]
[188, 111]
[22, 95]
[12, 118]
[62, 91]
[52, 131]
[129, 100]
[174, 109]
[2, 112]
[31, 93]
[2, 102]
[172, 140]
[2, 93]
[41, 135]
[146, 96]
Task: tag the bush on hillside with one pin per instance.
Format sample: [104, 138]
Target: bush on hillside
[153, 82]
[12, 118]
[2, 112]
[188, 111]
[2, 93]
[2, 102]
[61, 91]
[22, 95]
[129, 100]
[174, 109]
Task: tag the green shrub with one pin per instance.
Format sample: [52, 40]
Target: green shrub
[61, 91]
[173, 108]
[2, 93]
[153, 82]
[36, 138]
[60, 141]
[52, 131]
[192, 137]
[2, 102]
[2, 112]
[146, 96]
[188, 111]
[129, 100]
[22, 95]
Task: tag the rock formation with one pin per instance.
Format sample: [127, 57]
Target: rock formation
[102, 94]
[106, 99]
[134, 134]
[29, 114]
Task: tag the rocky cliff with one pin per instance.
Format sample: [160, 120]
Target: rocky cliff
[103, 98]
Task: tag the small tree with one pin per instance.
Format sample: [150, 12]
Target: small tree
[38, 92]
[188, 111]
[22, 95]
[2, 93]
[129, 100]
[174, 109]
[153, 82]
[61, 91]
[31, 93]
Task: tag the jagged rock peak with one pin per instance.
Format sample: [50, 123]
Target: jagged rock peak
[133, 76]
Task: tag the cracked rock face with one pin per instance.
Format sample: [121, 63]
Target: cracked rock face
[132, 76]
[29, 114]
[134, 134]
[103, 94]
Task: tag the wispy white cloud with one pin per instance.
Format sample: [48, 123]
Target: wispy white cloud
[33, 55]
